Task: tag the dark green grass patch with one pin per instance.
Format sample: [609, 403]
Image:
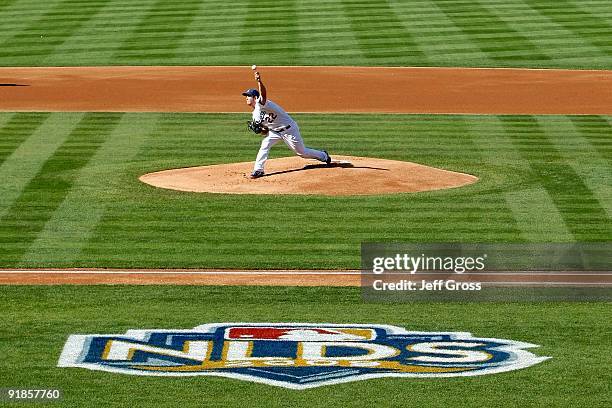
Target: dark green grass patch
[37, 321]
[541, 179]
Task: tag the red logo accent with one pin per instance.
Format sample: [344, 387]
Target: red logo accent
[269, 333]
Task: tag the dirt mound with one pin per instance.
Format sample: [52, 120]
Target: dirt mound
[346, 176]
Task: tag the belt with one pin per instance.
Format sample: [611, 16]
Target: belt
[282, 128]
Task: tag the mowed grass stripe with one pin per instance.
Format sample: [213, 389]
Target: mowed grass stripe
[6, 3]
[214, 38]
[23, 222]
[435, 33]
[587, 26]
[493, 36]
[583, 214]
[542, 31]
[25, 162]
[72, 224]
[271, 30]
[16, 130]
[380, 32]
[579, 152]
[326, 33]
[463, 138]
[108, 30]
[435, 143]
[5, 117]
[599, 8]
[533, 210]
[20, 14]
[598, 131]
[537, 216]
[159, 33]
[52, 29]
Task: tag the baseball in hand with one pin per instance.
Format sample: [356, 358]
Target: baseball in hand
[253, 67]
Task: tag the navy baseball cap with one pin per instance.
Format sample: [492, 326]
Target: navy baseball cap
[251, 92]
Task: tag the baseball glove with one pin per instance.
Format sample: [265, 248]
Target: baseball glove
[257, 127]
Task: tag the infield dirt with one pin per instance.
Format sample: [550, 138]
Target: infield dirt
[308, 89]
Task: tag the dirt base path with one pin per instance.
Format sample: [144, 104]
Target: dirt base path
[285, 278]
[308, 89]
[346, 176]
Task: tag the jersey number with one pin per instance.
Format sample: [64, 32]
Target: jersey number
[267, 117]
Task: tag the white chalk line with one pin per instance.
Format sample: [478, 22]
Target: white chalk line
[52, 272]
[547, 283]
[287, 272]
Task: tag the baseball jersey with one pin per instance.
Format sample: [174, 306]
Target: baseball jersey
[271, 115]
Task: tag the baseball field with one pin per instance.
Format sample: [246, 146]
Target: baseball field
[87, 248]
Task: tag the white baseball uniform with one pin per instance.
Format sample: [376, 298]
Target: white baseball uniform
[282, 127]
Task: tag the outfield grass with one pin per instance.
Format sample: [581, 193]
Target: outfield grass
[491, 33]
[37, 321]
[71, 195]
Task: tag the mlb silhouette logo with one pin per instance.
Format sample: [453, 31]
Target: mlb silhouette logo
[300, 334]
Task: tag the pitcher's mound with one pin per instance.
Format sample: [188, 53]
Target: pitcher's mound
[347, 175]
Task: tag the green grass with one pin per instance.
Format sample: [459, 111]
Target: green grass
[491, 33]
[37, 321]
[72, 196]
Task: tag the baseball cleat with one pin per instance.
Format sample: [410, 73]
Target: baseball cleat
[328, 158]
[256, 174]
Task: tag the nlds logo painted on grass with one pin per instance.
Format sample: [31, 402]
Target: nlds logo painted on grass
[296, 355]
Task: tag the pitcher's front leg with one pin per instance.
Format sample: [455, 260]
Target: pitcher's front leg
[262, 155]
